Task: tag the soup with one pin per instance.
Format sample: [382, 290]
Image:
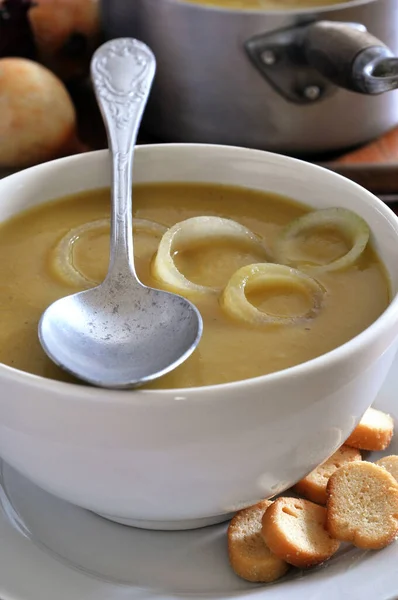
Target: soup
[266, 4]
[62, 246]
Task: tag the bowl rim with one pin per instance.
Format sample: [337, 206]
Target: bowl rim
[308, 11]
[76, 391]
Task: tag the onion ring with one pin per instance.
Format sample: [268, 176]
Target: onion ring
[63, 256]
[192, 230]
[235, 303]
[351, 225]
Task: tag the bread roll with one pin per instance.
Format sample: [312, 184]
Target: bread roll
[38, 120]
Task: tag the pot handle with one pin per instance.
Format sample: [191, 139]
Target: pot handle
[350, 57]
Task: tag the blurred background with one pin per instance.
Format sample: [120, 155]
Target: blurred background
[223, 77]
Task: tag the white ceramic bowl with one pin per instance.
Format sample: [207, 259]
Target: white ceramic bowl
[186, 458]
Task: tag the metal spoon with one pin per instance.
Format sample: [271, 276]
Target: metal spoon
[121, 333]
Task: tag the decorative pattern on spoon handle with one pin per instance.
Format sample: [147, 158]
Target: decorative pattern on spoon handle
[122, 71]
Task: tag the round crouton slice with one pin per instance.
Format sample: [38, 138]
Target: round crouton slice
[313, 487]
[390, 463]
[249, 556]
[374, 431]
[362, 505]
[294, 530]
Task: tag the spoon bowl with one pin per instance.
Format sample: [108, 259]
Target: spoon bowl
[113, 339]
[121, 334]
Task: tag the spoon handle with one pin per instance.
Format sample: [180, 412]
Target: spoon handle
[122, 71]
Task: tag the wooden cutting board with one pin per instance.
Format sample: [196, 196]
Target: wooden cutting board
[374, 166]
[382, 151]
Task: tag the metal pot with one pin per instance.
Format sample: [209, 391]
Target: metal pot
[297, 82]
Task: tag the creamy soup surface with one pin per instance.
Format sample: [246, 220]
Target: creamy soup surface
[267, 4]
[31, 278]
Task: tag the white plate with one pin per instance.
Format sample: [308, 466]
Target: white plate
[51, 550]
